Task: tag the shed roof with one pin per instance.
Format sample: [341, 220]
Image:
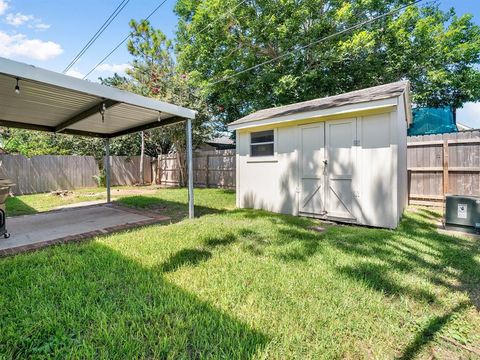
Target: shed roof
[381, 92]
[221, 140]
[50, 101]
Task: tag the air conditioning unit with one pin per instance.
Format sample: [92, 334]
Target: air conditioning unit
[463, 212]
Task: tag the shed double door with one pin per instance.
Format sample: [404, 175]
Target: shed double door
[326, 165]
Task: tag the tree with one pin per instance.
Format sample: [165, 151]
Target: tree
[115, 81]
[216, 39]
[154, 74]
[31, 143]
[152, 65]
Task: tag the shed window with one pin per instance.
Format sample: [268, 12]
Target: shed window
[262, 143]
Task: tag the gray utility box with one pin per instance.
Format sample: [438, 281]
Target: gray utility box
[463, 211]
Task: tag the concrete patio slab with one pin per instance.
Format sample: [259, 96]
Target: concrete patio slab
[82, 204]
[30, 232]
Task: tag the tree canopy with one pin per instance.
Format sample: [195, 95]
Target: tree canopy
[154, 74]
[218, 39]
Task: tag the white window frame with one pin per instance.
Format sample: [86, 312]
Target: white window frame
[268, 158]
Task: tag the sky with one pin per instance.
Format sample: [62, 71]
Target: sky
[50, 33]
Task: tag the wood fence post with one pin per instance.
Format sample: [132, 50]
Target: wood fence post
[445, 168]
[409, 185]
[159, 170]
[207, 171]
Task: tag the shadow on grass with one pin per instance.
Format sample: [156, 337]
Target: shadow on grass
[185, 257]
[383, 259]
[177, 211]
[89, 301]
[224, 191]
[224, 240]
[15, 207]
[376, 277]
[394, 263]
[193, 257]
[428, 332]
[415, 248]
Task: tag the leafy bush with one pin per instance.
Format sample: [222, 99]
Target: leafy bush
[101, 179]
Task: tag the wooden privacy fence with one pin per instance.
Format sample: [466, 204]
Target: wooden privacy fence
[48, 173]
[437, 165]
[213, 168]
[443, 164]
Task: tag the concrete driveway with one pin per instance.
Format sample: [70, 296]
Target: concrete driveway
[30, 232]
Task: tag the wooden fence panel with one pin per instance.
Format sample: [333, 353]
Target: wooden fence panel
[125, 170]
[443, 164]
[48, 173]
[212, 168]
[167, 168]
[221, 169]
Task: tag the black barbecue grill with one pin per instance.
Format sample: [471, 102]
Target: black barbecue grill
[5, 186]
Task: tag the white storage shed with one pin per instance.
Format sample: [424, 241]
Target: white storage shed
[342, 157]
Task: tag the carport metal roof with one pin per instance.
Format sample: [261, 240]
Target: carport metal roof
[54, 102]
[58, 103]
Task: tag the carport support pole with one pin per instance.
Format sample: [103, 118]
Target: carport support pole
[191, 213]
[107, 167]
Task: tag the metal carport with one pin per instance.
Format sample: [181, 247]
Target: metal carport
[37, 99]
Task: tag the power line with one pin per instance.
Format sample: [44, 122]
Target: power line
[121, 42]
[126, 38]
[229, 11]
[99, 32]
[318, 41]
[354, 27]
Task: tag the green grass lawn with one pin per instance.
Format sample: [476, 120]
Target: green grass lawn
[239, 284]
[31, 204]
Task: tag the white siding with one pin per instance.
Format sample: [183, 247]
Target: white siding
[270, 183]
[376, 171]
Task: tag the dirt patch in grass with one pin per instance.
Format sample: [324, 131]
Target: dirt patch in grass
[124, 192]
[134, 191]
[62, 193]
